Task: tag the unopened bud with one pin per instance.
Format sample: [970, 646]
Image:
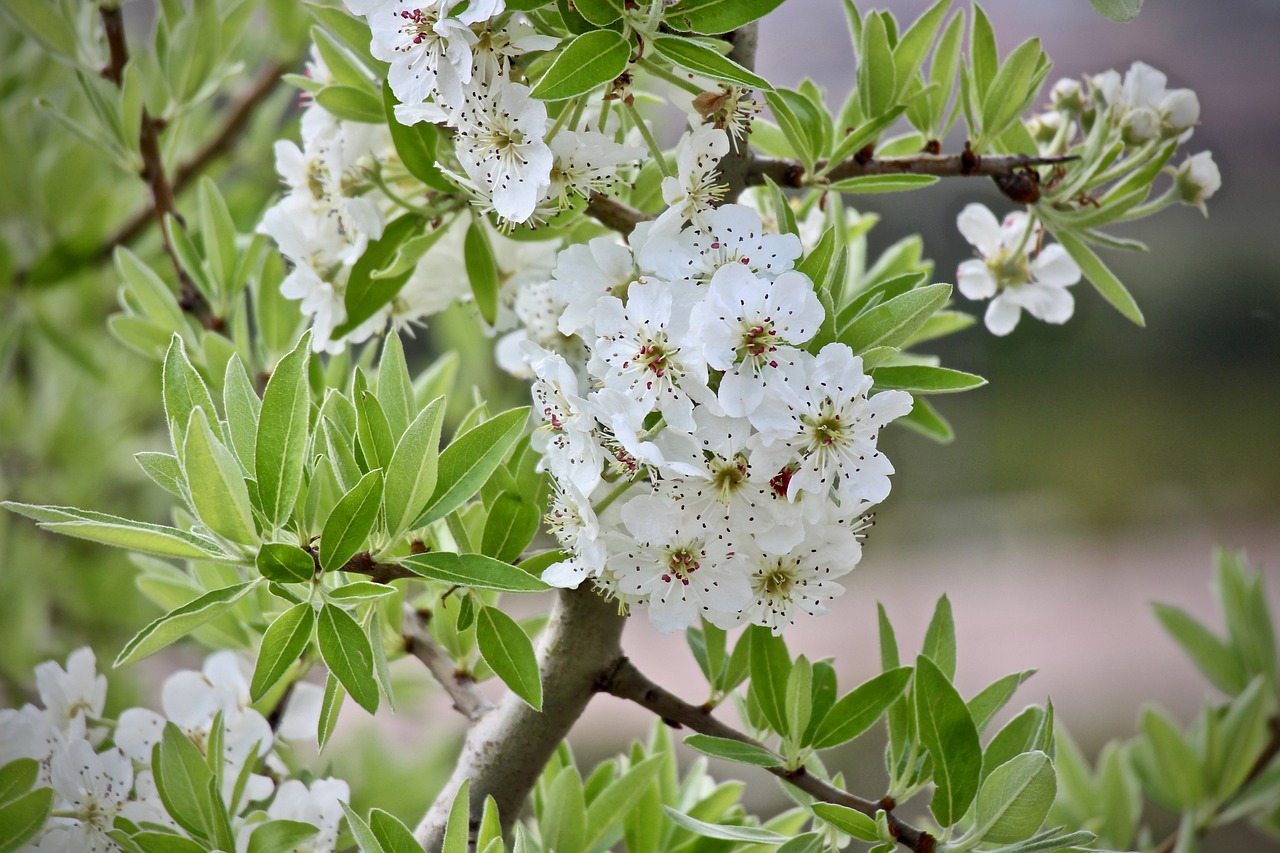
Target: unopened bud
[1197, 179]
[1180, 110]
[1044, 126]
[1067, 95]
[1139, 126]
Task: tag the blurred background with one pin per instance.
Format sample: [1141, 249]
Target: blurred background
[1096, 472]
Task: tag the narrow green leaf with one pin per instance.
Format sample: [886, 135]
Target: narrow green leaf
[473, 570]
[507, 650]
[411, 474]
[457, 830]
[346, 651]
[182, 778]
[926, 379]
[283, 430]
[924, 419]
[877, 77]
[282, 644]
[139, 536]
[864, 184]
[218, 235]
[590, 60]
[703, 60]
[218, 491]
[364, 294]
[242, 407]
[862, 136]
[393, 835]
[947, 730]
[513, 520]
[711, 17]
[995, 696]
[1212, 656]
[983, 53]
[1015, 798]
[893, 322]
[469, 460]
[733, 750]
[166, 842]
[848, 820]
[183, 390]
[482, 268]
[351, 103]
[859, 709]
[1004, 99]
[360, 591]
[614, 803]
[1103, 280]
[799, 700]
[770, 664]
[564, 816]
[748, 834]
[395, 388]
[330, 705]
[348, 525]
[178, 623]
[280, 836]
[376, 440]
[940, 638]
[21, 819]
[365, 839]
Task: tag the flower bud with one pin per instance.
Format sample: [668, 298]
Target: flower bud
[1106, 86]
[1139, 126]
[1044, 126]
[1180, 110]
[1067, 95]
[1197, 179]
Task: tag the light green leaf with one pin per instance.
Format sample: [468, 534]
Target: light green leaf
[284, 563]
[457, 829]
[564, 817]
[507, 650]
[482, 270]
[280, 836]
[17, 778]
[860, 137]
[1212, 656]
[1103, 280]
[799, 700]
[995, 696]
[348, 525]
[864, 184]
[1015, 798]
[733, 750]
[183, 390]
[847, 820]
[610, 806]
[365, 839]
[513, 520]
[473, 570]
[166, 842]
[372, 426]
[393, 835]
[947, 730]
[137, 536]
[747, 834]
[859, 709]
[924, 419]
[411, 474]
[346, 651]
[360, 591]
[893, 322]
[925, 379]
[365, 294]
[21, 819]
[940, 638]
[395, 388]
[178, 623]
[242, 407]
[351, 103]
[282, 644]
[218, 491]
[1121, 11]
[283, 430]
[701, 59]
[182, 778]
[770, 665]
[711, 17]
[1009, 88]
[590, 60]
[330, 705]
[469, 460]
[877, 77]
[218, 236]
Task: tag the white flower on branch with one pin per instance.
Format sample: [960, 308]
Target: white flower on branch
[696, 189]
[429, 52]
[500, 145]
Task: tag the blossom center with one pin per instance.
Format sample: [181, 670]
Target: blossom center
[776, 581]
[826, 430]
[680, 562]
[1009, 268]
[758, 340]
[727, 476]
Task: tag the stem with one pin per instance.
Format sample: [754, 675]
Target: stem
[654, 148]
[674, 79]
[618, 491]
[395, 197]
[612, 213]
[460, 686]
[571, 108]
[791, 173]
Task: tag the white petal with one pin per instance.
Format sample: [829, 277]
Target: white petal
[1002, 315]
[978, 225]
[1055, 268]
[975, 280]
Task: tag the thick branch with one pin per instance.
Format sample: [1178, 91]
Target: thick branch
[736, 165]
[627, 682]
[163, 202]
[613, 214]
[460, 686]
[790, 173]
[507, 749]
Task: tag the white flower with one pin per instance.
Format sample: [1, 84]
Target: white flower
[1009, 273]
[301, 714]
[501, 148]
[429, 53]
[1145, 89]
[817, 422]
[495, 49]
[76, 692]
[1197, 179]
[586, 272]
[567, 437]
[676, 561]
[695, 189]
[319, 805]
[576, 527]
[93, 787]
[587, 161]
[734, 235]
[29, 732]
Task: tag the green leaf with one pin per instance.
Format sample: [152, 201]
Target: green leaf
[859, 709]
[511, 525]
[178, 623]
[793, 129]
[1102, 279]
[17, 778]
[360, 591]
[770, 664]
[469, 460]
[1003, 101]
[799, 700]
[351, 103]
[473, 570]
[284, 563]
[21, 819]
[598, 12]
[862, 136]
[166, 842]
[218, 491]
[393, 835]
[218, 235]
[135, 536]
[183, 390]
[1243, 738]
[940, 638]
[1121, 11]
[748, 834]
[924, 419]
[947, 730]
[564, 817]
[280, 836]
[395, 387]
[507, 650]
[995, 696]
[415, 145]
[1212, 656]
[282, 644]
[330, 705]
[346, 651]
[893, 322]
[482, 269]
[372, 426]
[848, 820]
[1014, 800]
[700, 59]
[348, 525]
[365, 839]
[590, 60]
[983, 53]
[411, 474]
[242, 407]
[913, 46]
[711, 17]
[877, 77]
[457, 829]
[1168, 763]
[364, 294]
[283, 430]
[352, 31]
[182, 778]
[733, 750]
[865, 184]
[614, 803]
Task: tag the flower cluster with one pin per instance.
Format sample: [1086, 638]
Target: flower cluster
[706, 461]
[100, 770]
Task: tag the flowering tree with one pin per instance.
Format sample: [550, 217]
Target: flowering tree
[712, 356]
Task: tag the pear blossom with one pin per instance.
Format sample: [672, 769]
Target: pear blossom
[429, 52]
[77, 692]
[585, 273]
[1145, 88]
[734, 235]
[1197, 179]
[318, 805]
[501, 148]
[695, 190]
[93, 787]
[1008, 272]
[575, 525]
[587, 161]
[567, 435]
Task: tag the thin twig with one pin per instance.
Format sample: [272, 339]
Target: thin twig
[460, 686]
[613, 214]
[163, 203]
[786, 172]
[627, 682]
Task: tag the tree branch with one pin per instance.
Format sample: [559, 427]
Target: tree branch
[736, 165]
[613, 214]
[460, 686]
[627, 682]
[163, 202]
[508, 747]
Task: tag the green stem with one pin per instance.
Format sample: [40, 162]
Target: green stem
[618, 491]
[570, 108]
[654, 148]
[1154, 206]
[671, 77]
[424, 212]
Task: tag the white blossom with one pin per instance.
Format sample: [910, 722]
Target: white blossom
[78, 692]
[429, 52]
[93, 787]
[694, 191]
[501, 148]
[1197, 179]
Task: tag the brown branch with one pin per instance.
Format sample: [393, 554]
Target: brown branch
[460, 686]
[791, 173]
[627, 682]
[364, 564]
[163, 203]
[612, 213]
[735, 166]
[1260, 764]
